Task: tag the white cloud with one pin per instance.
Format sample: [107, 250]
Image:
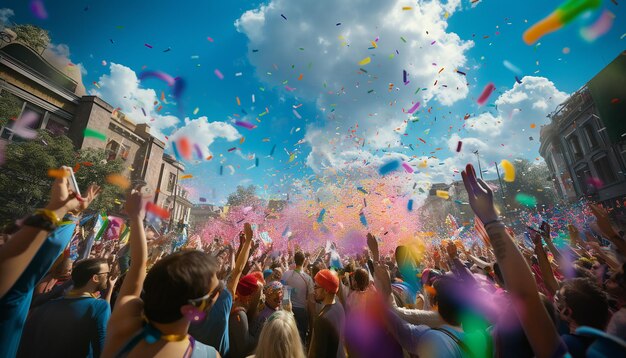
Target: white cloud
[120, 88]
[407, 40]
[59, 56]
[506, 133]
[5, 15]
[202, 132]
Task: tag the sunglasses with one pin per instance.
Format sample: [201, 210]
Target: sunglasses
[204, 302]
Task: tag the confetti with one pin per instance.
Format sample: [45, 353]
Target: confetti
[565, 13]
[414, 108]
[58, 173]
[365, 61]
[407, 167]
[320, 217]
[389, 167]
[157, 210]
[186, 176]
[409, 205]
[38, 9]
[218, 74]
[148, 45]
[295, 113]
[509, 171]
[118, 180]
[195, 111]
[443, 194]
[184, 148]
[598, 28]
[489, 88]
[363, 219]
[526, 200]
[91, 133]
[283, 16]
[245, 124]
[360, 188]
[458, 146]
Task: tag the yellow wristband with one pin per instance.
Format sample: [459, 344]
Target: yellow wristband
[51, 215]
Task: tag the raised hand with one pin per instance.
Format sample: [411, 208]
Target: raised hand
[247, 232]
[373, 246]
[480, 196]
[451, 249]
[602, 220]
[135, 204]
[63, 200]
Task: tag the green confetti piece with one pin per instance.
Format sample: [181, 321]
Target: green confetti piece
[262, 89]
[526, 200]
[402, 38]
[370, 91]
[94, 134]
[262, 114]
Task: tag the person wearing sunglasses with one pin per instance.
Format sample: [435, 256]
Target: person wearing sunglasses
[74, 325]
[178, 290]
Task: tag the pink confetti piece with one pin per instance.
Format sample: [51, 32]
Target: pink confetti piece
[245, 124]
[218, 74]
[414, 108]
[209, 38]
[38, 9]
[598, 28]
[290, 89]
[407, 167]
[432, 43]
[487, 91]
[22, 125]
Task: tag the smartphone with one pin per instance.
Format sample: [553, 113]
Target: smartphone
[73, 183]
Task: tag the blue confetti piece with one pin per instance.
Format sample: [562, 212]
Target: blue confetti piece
[363, 219]
[273, 149]
[389, 167]
[175, 150]
[410, 205]
[360, 188]
[221, 169]
[256, 162]
[320, 218]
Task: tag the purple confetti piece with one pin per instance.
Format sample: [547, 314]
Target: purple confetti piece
[198, 150]
[22, 125]
[245, 124]
[407, 167]
[295, 113]
[432, 43]
[290, 89]
[218, 74]
[157, 74]
[38, 9]
[414, 108]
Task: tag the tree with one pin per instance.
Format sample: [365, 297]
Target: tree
[24, 180]
[35, 37]
[531, 179]
[243, 196]
[10, 107]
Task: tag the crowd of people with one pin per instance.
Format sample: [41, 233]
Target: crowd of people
[502, 298]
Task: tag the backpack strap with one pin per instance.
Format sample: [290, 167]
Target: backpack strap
[456, 340]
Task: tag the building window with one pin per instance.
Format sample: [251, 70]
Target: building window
[592, 137]
[171, 182]
[7, 132]
[604, 170]
[583, 175]
[124, 151]
[56, 126]
[574, 144]
[111, 150]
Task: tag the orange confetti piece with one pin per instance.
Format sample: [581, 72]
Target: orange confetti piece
[186, 176]
[238, 101]
[209, 157]
[300, 77]
[162, 96]
[88, 164]
[76, 167]
[160, 108]
[157, 210]
[243, 139]
[57, 173]
[118, 180]
[533, 125]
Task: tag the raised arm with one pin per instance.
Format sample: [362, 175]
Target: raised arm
[537, 325]
[604, 226]
[126, 317]
[544, 265]
[242, 259]
[19, 251]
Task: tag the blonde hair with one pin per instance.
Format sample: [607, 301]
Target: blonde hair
[280, 338]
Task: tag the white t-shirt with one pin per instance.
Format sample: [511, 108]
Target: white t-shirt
[301, 284]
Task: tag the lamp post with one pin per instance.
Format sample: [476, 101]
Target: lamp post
[479, 167]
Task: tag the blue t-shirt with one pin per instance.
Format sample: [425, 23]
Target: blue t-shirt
[213, 331]
[15, 303]
[66, 327]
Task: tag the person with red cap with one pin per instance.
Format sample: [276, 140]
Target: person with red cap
[328, 329]
[244, 309]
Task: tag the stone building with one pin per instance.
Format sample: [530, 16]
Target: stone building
[585, 143]
[32, 84]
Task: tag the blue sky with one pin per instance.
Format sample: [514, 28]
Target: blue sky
[333, 94]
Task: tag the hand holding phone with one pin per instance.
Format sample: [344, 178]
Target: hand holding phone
[74, 184]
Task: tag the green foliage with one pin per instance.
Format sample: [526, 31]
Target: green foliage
[33, 36]
[531, 179]
[10, 107]
[244, 196]
[24, 181]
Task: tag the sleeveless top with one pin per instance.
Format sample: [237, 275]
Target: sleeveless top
[151, 335]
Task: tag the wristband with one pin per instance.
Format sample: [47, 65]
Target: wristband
[492, 222]
[51, 215]
[41, 222]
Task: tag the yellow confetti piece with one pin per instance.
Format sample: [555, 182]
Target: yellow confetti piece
[291, 157]
[195, 111]
[58, 173]
[406, 8]
[243, 139]
[423, 164]
[509, 170]
[443, 194]
[374, 44]
[118, 180]
[238, 101]
[365, 61]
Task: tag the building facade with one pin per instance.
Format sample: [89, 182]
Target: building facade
[585, 143]
[29, 83]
